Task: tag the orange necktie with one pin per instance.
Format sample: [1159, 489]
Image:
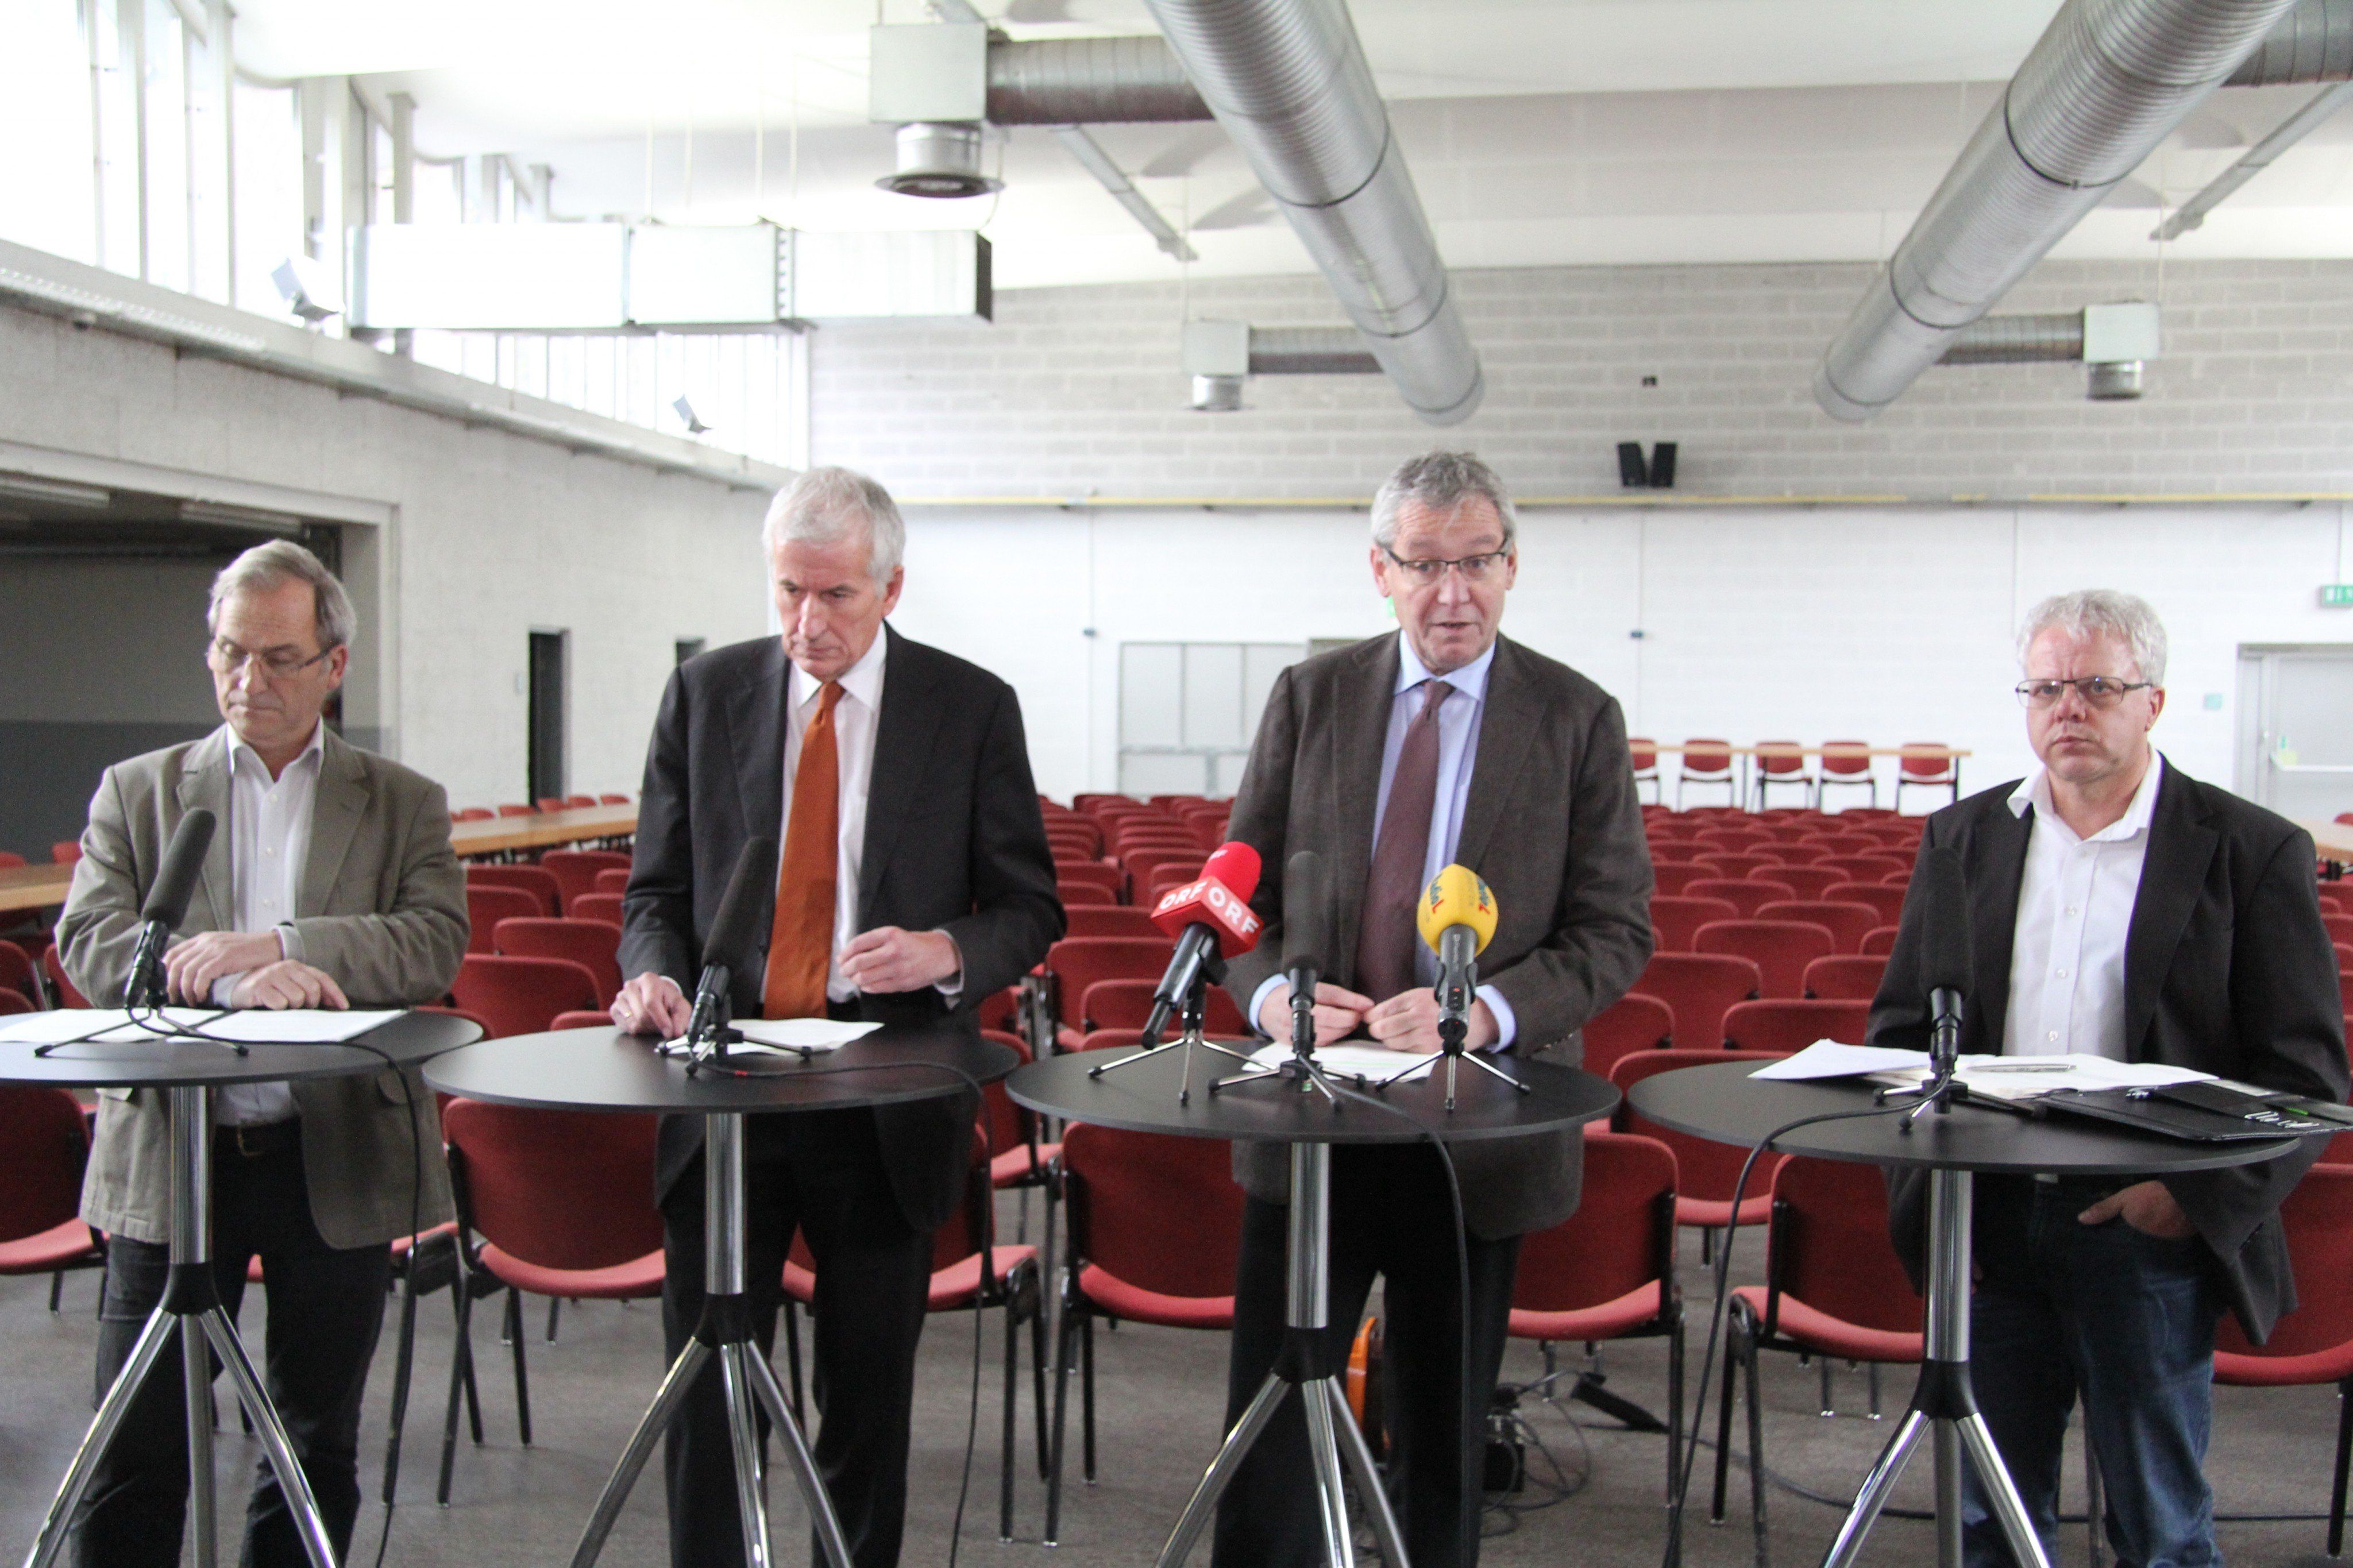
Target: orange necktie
[800, 942]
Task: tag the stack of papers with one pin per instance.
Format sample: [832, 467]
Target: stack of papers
[112, 1025]
[1998, 1077]
[786, 1036]
[1363, 1064]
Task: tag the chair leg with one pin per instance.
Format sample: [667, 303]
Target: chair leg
[554, 1308]
[1756, 1442]
[1870, 1373]
[793, 1358]
[523, 1382]
[1012, 1392]
[1037, 1372]
[2344, 1453]
[1724, 1415]
[402, 1363]
[461, 1361]
[1087, 1394]
[461, 1311]
[57, 1290]
[1065, 1332]
[1829, 1406]
[1675, 1439]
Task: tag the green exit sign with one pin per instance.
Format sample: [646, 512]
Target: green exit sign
[2337, 596]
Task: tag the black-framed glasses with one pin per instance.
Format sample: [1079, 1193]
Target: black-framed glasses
[1474, 568]
[2101, 691]
[281, 663]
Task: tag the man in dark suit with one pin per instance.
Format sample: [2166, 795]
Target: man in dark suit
[1392, 759]
[2120, 907]
[915, 880]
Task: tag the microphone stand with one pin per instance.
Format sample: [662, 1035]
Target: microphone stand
[1301, 1069]
[146, 993]
[1190, 1024]
[711, 1029]
[1454, 990]
[1944, 1088]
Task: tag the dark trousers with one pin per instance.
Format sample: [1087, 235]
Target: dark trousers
[1391, 1215]
[820, 1173]
[2125, 1321]
[325, 1307]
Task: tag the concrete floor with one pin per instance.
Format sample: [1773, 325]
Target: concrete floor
[1160, 1395]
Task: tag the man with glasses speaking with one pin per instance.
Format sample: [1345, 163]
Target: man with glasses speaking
[2120, 907]
[1441, 742]
[330, 882]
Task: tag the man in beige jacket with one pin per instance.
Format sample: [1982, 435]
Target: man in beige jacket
[329, 883]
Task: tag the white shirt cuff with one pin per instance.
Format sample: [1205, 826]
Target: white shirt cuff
[1257, 1003]
[224, 986]
[952, 988]
[1507, 1023]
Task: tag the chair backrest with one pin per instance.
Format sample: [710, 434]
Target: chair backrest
[17, 973]
[1881, 943]
[1703, 1169]
[1083, 895]
[1806, 882]
[64, 851]
[521, 995]
[605, 906]
[1887, 901]
[1779, 759]
[611, 797]
[1675, 873]
[514, 808]
[1708, 758]
[1110, 919]
[1846, 758]
[1927, 769]
[1158, 1211]
[612, 882]
[1779, 948]
[2339, 926]
[1143, 865]
[562, 1189]
[1006, 1124]
[1780, 1025]
[548, 803]
[1735, 862]
[1632, 1023]
[1621, 1237]
[1829, 1246]
[1846, 976]
[1848, 923]
[1746, 894]
[541, 884]
[47, 1143]
[473, 814]
[487, 904]
[1076, 962]
[10, 859]
[14, 1002]
[1109, 878]
[592, 944]
[574, 870]
[1645, 751]
[1126, 1003]
[53, 969]
[581, 1018]
[2318, 1215]
[1699, 987]
[1675, 920]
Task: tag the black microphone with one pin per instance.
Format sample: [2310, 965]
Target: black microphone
[1307, 920]
[734, 932]
[1945, 952]
[167, 906]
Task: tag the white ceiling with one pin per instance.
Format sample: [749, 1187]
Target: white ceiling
[1540, 132]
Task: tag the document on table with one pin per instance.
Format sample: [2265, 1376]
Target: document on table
[295, 1025]
[2024, 1077]
[1365, 1064]
[787, 1036]
[98, 1026]
[1829, 1058]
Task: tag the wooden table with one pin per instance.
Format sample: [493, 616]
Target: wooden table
[1747, 754]
[542, 829]
[2332, 839]
[33, 887]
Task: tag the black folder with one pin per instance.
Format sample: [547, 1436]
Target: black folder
[2197, 1112]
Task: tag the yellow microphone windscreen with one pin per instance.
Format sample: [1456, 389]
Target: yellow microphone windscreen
[1456, 897]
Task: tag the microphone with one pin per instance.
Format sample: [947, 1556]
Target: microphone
[1211, 920]
[167, 906]
[1945, 953]
[1306, 920]
[1457, 919]
[735, 931]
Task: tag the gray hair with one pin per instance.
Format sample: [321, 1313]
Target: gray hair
[2094, 612]
[1440, 481]
[275, 564]
[826, 506]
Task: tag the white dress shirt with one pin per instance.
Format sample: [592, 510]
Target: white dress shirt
[1457, 751]
[856, 718]
[2074, 913]
[270, 845]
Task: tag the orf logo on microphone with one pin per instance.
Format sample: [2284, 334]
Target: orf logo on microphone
[1240, 921]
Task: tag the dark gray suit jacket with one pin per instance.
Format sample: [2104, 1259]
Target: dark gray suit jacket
[2228, 969]
[1553, 827]
[954, 842]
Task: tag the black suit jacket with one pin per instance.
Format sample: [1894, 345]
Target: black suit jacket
[954, 842]
[2228, 969]
[1553, 827]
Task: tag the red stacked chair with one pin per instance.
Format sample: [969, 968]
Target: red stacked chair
[1673, 877]
[612, 882]
[514, 808]
[1091, 873]
[47, 1143]
[1632, 1023]
[1109, 920]
[1127, 1004]
[575, 870]
[1699, 988]
[592, 944]
[1746, 894]
[19, 976]
[64, 851]
[1736, 864]
[1886, 900]
[1778, 1027]
[541, 884]
[1868, 868]
[521, 995]
[1705, 761]
[473, 814]
[1704, 1170]
[1073, 964]
[1806, 882]
[1926, 772]
[52, 970]
[1848, 923]
[1779, 948]
[1674, 921]
[1645, 753]
[605, 906]
[1145, 864]
[487, 904]
[1846, 977]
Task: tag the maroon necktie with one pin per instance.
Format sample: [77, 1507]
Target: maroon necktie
[1386, 942]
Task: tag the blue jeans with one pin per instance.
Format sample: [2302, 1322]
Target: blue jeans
[2126, 1320]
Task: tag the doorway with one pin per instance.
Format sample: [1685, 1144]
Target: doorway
[547, 720]
[2295, 751]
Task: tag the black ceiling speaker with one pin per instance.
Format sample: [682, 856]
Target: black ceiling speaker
[1632, 473]
[1662, 465]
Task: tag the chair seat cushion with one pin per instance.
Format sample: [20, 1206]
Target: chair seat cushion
[952, 1287]
[633, 1280]
[1108, 1293]
[1818, 1331]
[2244, 1371]
[1013, 1169]
[1712, 1212]
[1638, 1308]
[59, 1246]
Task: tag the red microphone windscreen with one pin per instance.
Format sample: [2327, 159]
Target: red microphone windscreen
[1237, 866]
[1219, 897]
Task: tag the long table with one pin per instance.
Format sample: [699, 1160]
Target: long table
[1748, 754]
[44, 887]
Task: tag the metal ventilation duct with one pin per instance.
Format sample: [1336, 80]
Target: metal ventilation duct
[2314, 42]
[2100, 87]
[1088, 81]
[1289, 81]
[2018, 339]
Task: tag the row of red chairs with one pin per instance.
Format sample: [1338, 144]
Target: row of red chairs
[544, 802]
[1708, 761]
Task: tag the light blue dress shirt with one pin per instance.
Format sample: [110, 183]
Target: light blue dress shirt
[1458, 752]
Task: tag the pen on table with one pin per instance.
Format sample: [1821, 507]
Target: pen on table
[2019, 1067]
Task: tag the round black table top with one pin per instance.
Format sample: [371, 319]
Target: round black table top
[605, 1069]
[1725, 1105]
[1143, 1099]
[410, 1039]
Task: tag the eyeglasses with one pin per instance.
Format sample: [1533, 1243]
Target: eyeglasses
[2102, 691]
[282, 664]
[1474, 568]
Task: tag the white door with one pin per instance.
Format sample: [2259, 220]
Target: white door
[2295, 730]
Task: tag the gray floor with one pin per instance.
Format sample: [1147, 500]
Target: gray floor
[1160, 1393]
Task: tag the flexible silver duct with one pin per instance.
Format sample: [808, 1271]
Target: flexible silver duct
[2018, 339]
[1088, 81]
[1289, 81]
[1310, 350]
[2100, 88]
[2314, 42]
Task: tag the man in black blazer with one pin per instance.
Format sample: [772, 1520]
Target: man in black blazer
[2120, 907]
[942, 892]
[1516, 767]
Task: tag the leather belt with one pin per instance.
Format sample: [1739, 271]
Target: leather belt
[257, 1139]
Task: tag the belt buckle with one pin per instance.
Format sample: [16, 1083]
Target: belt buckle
[249, 1151]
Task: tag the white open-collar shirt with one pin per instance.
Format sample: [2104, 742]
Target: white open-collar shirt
[2074, 914]
[269, 845]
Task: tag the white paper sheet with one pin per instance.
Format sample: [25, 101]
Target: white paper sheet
[1828, 1058]
[788, 1036]
[1371, 1063]
[106, 1026]
[2023, 1078]
[295, 1025]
